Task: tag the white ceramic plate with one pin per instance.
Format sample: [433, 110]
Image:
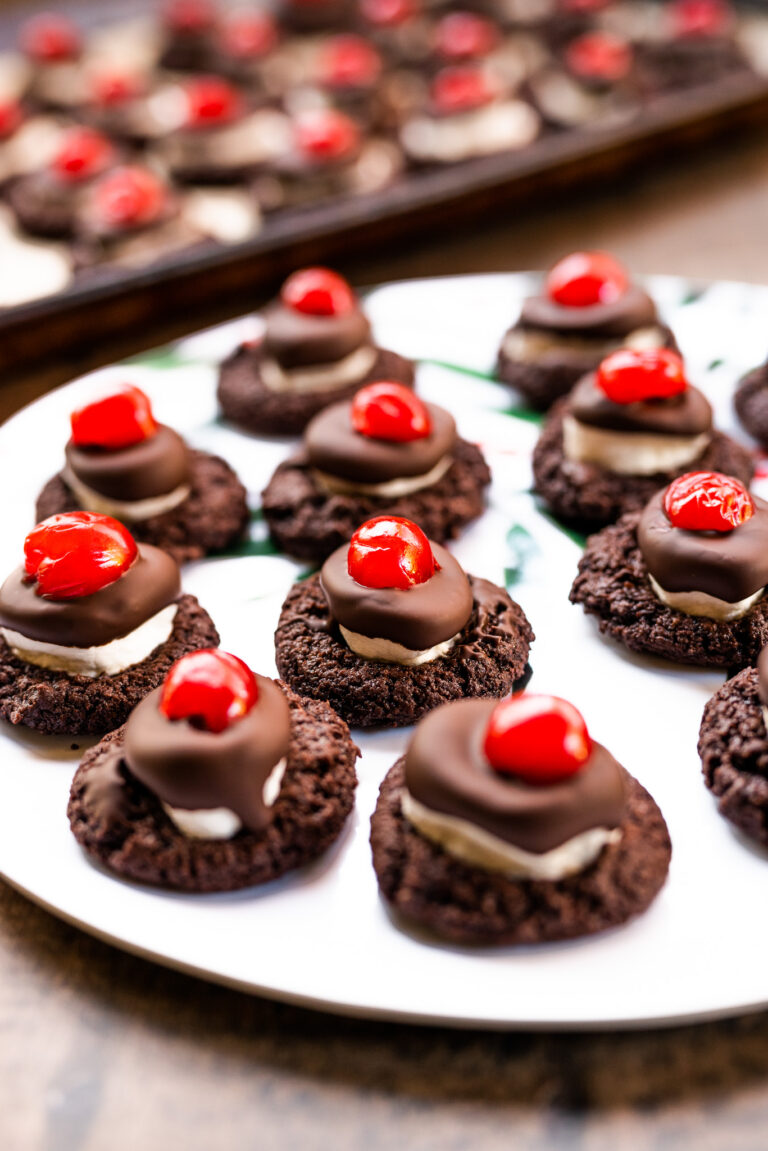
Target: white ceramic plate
[322, 937]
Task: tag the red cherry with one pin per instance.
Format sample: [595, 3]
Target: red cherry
[129, 197]
[388, 13]
[349, 62]
[461, 89]
[11, 116]
[540, 739]
[318, 292]
[700, 17]
[599, 56]
[465, 36]
[50, 38]
[110, 88]
[77, 554]
[587, 278]
[390, 411]
[210, 100]
[708, 502]
[117, 421]
[82, 153]
[189, 15]
[630, 376]
[325, 134]
[390, 551]
[210, 688]
[248, 34]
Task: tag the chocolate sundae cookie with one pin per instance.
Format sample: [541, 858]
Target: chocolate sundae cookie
[316, 349]
[733, 745]
[589, 309]
[121, 462]
[89, 624]
[219, 780]
[392, 627]
[505, 823]
[751, 403]
[385, 452]
[684, 579]
[624, 432]
[697, 45]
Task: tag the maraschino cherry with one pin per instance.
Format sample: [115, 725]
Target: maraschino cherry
[465, 36]
[700, 17]
[118, 421]
[461, 89]
[189, 15]
[82, 154]
[540, 739]
[708, 502]
[325, 134]
[390, 411]
[584, 279]
[210, 101]
[211, 689]
[318, 292]
[50, 38]
[390, 552]
[388, 13]
[349, 61]
[630, 375]
[600, 56]
[109, 89]
[248, 34]
[11, 116]
[77, 554]
[129, 197]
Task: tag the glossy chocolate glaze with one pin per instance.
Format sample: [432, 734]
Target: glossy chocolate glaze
[190, 768]
[687, 414]
[298, 340]
[446, 771]
[335, 447]
[418, 617]
[154, 467]
[151, 583]
[634, 309]
[729, 565]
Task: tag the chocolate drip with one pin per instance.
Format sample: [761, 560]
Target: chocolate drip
[687, 414]
[151, 583]
[190, 768]
[729, 565]
[634, 309]
[418, 617]
[335, 447]
[446, 771]
[298, 340]
[154, 467]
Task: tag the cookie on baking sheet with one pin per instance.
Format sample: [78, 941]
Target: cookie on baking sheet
[317, 348]
[684, 579]
[392, 627]
[751, 403]
[219, 780]
[504, 823]
[385, 452]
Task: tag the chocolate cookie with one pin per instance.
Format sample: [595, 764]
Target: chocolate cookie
[308, 522]
[733, 745]
[487, 660]
[214, 515]
[55, 703]
[613, 585]
[246, 400]
[751, 404]
[123, 825]
[425, 885]
[587, 497]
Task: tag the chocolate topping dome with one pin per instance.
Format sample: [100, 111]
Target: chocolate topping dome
[151, 583]
[335, 447]
[632, 310]
[729, 565]
[191, 768]
[446, 771]
[153, 467]
[299, 340]
[418, 617]
[686, 414]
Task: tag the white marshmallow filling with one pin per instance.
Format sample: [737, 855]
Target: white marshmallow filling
[528, 345]
[479, 848]
[127, 511]
[387, 489]
[106, 659]
[387, 651]
[341, 373]
[494, 128]
[222, 822]
[702, 604]
[629, 453]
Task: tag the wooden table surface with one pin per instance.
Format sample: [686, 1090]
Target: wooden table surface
[100, 1050]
